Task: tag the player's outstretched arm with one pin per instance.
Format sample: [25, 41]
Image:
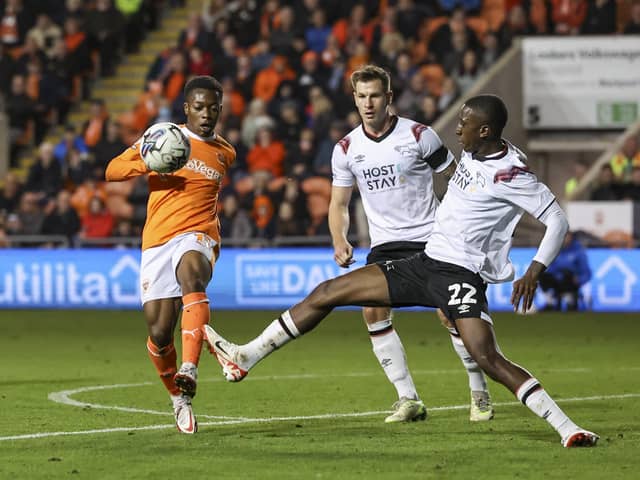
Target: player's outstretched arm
[127, 165]
[557, 225]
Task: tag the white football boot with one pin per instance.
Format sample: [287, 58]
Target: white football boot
[226, 353]
[407, 410]
[185, 419]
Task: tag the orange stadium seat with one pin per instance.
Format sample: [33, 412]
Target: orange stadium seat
[434, 23]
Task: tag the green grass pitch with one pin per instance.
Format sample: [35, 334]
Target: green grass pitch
[79, 399]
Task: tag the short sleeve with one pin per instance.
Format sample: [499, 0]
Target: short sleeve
[342, 175]
[519, 186]
[431, 147]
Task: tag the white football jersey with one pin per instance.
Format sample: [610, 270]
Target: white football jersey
[485, 199]
[394, 174]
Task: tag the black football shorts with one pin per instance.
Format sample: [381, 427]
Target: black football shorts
[421, 280]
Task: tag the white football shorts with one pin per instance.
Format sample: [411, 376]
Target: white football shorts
[158, 264]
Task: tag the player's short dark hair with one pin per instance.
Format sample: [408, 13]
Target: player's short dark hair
[204, 82]
[369, 73]
[494, 110]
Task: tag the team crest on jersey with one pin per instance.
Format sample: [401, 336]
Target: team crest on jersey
[404, 150]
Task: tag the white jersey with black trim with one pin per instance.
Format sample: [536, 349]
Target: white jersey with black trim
[485, 199]
[394, 174]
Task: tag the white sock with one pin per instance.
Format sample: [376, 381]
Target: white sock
[389, 351]
[477, 381]
[539, 402]
[278, 333]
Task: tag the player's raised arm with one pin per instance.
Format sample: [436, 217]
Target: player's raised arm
[127, 165]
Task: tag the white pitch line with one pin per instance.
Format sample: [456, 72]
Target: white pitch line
[64, 396]
[299, 417]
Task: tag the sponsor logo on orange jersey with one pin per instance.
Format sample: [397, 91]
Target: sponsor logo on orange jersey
[198, 166]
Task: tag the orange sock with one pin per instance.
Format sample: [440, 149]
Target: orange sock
[164, 359]
[195, 314]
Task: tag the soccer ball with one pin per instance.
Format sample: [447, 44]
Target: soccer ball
[164, 148]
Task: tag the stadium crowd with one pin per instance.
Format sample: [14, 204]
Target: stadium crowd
[285, 67]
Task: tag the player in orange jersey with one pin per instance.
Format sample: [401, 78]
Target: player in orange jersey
[180, 243]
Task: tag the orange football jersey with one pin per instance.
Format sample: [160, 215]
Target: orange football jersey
[185, 200]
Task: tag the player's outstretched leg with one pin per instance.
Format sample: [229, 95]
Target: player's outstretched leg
[479, 338]
[388, 349]
[237, 360]
[481, 409]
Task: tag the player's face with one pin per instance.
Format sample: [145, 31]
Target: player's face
[202, 109]
[471, 129]
[373, 104]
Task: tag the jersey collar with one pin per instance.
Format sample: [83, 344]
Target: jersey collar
[394, 122]
[492, 156]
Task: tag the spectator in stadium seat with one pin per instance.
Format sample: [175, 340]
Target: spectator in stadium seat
[285, 33]
[267, 154]
[442, 39]
[516, 24]
[62, 218]
[450, 92]
[403, 69]
[601, 18]
[623, 161]
[320, 112]
[318, 31]
[633, 25]
[45, 33]
[563, 278]
[579, 170]
[410, 15]
[194, 34]
[10, 193]
[82, 195]
[300, 157]
[490, 51]
[104, 24]
[428, 112]
[200, 62]
[267, 80]
[326, 144]
[77, 168]
[30, 214]
[568, 16]
[235, 222]
[16, 20]
[287, 225]
[97, 222]
[7, 70]
[607, 189]
[244, 77]
[244, 21]
[289, 125]
[70, 140]
[45, 175]
[93, 129]
[312, 73]
[109, 146]
[22, 114]
[467, 72]
[255, 119]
